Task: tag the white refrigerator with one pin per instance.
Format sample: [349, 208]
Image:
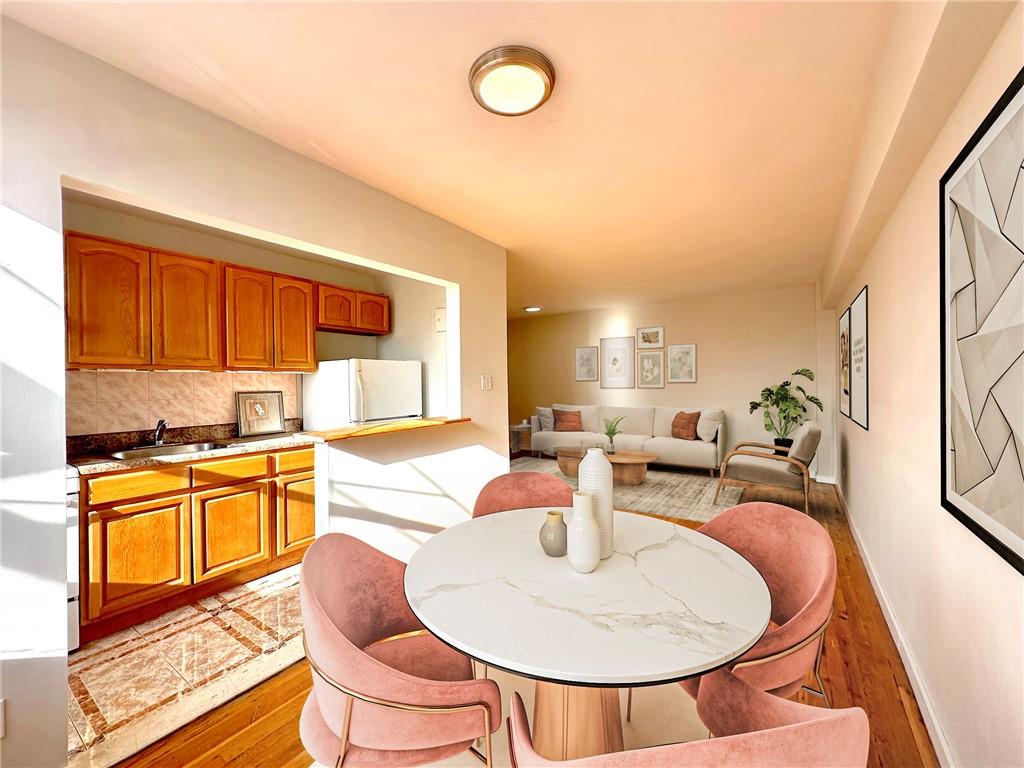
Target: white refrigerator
[343, 392]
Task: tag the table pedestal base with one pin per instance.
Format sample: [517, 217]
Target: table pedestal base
[572, 721]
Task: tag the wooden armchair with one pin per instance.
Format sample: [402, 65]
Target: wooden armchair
[765, 467]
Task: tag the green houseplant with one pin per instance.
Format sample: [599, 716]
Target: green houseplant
[611, 429]
[785, 407]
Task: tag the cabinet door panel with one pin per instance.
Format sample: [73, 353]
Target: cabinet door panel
[294, 325]
[373, 313]
[249, 316]
[230, 529]
[137, 553]
[108, 310]
[336, 307]
[295, 504]
[186, 312]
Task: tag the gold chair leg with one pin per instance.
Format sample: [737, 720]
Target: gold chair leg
[345, 725]
[629, 704]
[816, 671]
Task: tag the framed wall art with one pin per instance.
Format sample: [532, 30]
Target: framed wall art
[981, 327]
[652, 337]
[617, 359]
[650, 369]
[682, 363]
[844, 363]
[259, 413]
[586, 363]
[858, 374]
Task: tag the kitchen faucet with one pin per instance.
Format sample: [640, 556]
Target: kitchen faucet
[158, 436]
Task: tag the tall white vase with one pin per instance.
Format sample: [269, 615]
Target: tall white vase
[583, 540]
[596, 479]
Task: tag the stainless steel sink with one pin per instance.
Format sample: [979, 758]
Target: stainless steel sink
[149, 451]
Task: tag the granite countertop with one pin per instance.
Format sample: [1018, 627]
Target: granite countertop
[94, 465]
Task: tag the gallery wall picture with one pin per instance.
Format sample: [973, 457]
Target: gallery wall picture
[844, 363]
[652, 337]
[650, 369]
[859, 363]
[981, 278]
[617, 361]
[682, 363]
[586, 363]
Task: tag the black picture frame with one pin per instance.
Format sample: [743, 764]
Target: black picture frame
[844, 319]
[996, 544]
[867, 362]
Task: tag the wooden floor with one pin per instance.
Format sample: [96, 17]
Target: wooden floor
[860, 667]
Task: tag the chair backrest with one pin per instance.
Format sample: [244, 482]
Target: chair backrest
[519, 490]
[805, 444]
[751, 728]
[352, 595]
[795, 556]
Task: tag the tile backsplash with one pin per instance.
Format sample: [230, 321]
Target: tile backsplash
[123, 401]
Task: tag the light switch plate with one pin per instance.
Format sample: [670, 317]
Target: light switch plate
[440, 319]
[486, 383]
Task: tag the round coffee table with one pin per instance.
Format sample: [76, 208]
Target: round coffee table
[628, 467]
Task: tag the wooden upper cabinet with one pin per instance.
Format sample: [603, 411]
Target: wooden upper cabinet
[337, 307]
[108, 311]
[294, 324]
[249, 317]
[186, 312]
[373, 312]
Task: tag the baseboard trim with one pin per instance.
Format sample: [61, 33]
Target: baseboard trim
[827, 479]
[931, 720]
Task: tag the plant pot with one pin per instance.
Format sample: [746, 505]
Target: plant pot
[785, 443]
[611, 445]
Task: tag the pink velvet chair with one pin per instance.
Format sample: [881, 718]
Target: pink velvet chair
[385, 691]
[518, 490]
[750, 727]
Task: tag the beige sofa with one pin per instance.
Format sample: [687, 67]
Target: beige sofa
[644, 428]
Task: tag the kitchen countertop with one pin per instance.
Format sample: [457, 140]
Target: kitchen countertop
[383, 428]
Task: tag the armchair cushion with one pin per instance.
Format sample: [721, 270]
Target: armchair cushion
[763, 469]
[422, 655]
[805, 444]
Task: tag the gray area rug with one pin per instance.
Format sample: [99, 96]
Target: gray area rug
[679, 494]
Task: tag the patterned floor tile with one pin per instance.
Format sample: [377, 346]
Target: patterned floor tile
[170, 623]
[278, 614]
[204, 651]
[109, 646]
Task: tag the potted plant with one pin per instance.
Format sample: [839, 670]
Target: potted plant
[785, 408]
[611, 429]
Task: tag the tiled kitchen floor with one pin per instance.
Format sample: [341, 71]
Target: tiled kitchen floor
[127, 689]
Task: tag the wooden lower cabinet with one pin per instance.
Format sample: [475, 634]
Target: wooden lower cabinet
[230, 529]
[138, 553]
[294, 505]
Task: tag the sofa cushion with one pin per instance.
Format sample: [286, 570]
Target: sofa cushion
[546, 417]
[805, 444]
[590, 414]
[684, 425]
[710, 420]
[568, 421]
[546, 442]
[682, 453]
[757, 469]
[635, 421]
[663, 415]
[630, 442]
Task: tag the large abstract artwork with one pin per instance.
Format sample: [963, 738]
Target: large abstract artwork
[982, 326]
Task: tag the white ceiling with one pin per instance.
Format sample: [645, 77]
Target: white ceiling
[687, 148]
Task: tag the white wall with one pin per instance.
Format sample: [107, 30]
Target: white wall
[65, 113]
[956, 607]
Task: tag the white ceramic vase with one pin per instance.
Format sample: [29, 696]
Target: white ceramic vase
[596, 479]
[583, 542]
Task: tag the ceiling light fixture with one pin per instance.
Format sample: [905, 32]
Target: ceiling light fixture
[532, 309]
[511, 80]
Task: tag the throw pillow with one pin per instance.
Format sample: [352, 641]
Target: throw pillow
[710, 420]
[568, 421]
[547, 419]
[684, 425]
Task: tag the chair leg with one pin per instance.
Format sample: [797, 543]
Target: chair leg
[345, 725]
[816, 671]
[629, 704]
[719, 489]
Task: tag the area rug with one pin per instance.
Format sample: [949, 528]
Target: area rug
[678, 494]
[131, 688]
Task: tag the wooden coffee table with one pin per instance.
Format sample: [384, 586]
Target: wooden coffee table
[628, 467]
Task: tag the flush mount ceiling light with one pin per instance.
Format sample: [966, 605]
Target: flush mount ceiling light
[511, 80]
[532, 309]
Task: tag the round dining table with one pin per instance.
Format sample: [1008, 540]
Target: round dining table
[669, 603]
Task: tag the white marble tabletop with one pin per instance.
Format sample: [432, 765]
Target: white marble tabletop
[669, 603]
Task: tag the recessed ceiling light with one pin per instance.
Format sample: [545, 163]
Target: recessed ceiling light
[532, 309]
[511, 80]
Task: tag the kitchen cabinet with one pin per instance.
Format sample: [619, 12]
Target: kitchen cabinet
[138, 553]
[249, 317]
[108, 304]
[294, 515]
[230, 529]
[186, 301]
[373, 313]
[336, 307]
[294, 324]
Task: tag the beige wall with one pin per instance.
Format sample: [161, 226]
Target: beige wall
[744, 342]
[956, 607]
[66, 114]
